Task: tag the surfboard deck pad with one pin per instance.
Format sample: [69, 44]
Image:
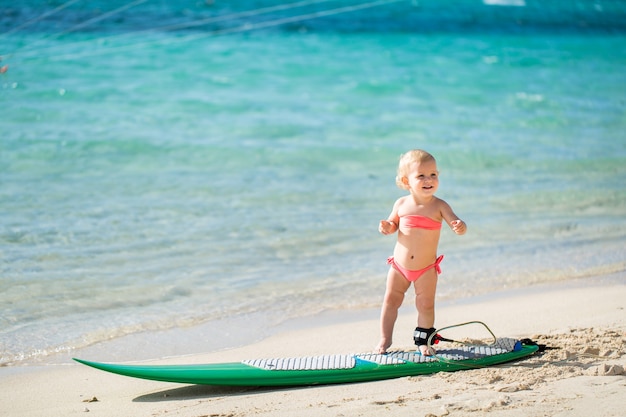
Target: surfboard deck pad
[391, 358]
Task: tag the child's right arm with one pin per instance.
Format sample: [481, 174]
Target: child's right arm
[389, 226]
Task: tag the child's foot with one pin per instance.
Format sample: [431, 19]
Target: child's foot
[422, 337]
[426, 350]
[382, 347]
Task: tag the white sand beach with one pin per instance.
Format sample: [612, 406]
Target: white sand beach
[582, 375]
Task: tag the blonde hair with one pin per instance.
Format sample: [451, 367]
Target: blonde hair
[406, 159]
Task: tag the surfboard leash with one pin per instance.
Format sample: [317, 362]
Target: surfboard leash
[436, 337]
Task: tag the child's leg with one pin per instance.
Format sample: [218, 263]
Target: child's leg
[394, 295]
[425, 289]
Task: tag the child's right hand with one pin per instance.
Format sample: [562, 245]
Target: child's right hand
[386, 227]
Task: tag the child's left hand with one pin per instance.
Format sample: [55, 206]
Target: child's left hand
[459, 227]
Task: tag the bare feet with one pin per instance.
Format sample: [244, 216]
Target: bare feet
[427, 350]
[382, 347]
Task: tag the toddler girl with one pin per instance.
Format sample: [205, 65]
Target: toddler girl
[417, 218]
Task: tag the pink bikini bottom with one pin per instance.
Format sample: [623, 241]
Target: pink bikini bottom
[412, 275]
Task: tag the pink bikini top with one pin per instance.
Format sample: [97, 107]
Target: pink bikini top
[421, 222]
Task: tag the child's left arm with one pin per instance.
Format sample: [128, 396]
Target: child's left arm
[457, 225]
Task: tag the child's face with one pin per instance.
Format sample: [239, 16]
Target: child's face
[423, 178]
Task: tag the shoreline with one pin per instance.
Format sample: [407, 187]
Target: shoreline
[195, 340]
[586, 323]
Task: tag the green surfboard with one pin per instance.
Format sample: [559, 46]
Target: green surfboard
[327, 369]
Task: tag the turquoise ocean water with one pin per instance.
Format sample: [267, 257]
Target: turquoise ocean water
[222, 166]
